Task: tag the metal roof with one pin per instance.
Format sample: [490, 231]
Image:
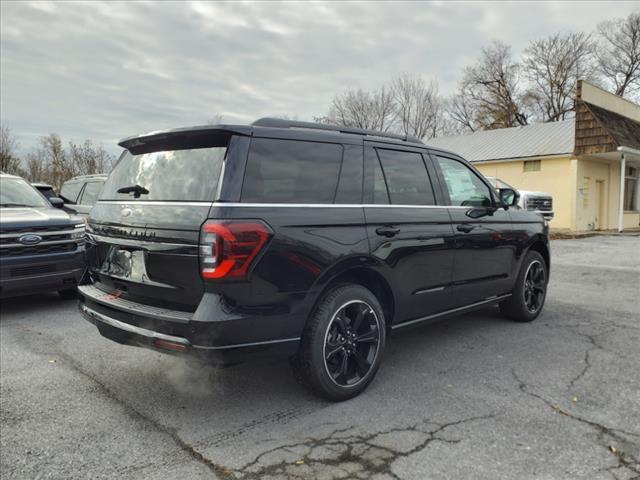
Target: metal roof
[540, 139]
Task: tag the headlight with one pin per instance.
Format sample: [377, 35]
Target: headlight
[78, 232]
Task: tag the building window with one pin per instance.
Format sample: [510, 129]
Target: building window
[630, 188]
[531, 166]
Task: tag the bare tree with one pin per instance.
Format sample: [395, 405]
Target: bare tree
[489, 95]
[36, 166]
[553, 66]
[9, 162]
[105, 161]
[418, 106]
[356, 108]
[619, 53]
[216, 119]
[55, 159]
[461, 110]
[87, 159]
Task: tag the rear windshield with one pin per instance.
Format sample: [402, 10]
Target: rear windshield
[172, 175]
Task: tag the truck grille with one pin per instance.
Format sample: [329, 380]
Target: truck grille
[22, 231]
[32, 270]
[54, 239]
[48, 238]
[544, 204]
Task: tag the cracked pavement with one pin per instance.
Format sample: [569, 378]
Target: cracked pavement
[472, 397]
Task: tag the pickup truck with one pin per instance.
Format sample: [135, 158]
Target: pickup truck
[539, 202]
[41, 246]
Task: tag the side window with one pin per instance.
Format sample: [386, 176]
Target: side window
[287, 171]
[380, 192]
[48, 192]
[70, 191]
[350, 184]
[463, 185]
[91, 192]
[406, 177]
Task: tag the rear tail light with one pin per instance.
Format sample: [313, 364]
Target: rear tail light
[228, 248]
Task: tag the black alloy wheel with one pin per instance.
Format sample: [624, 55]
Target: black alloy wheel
[342, 343]
[351, 343]
[530, 289]
[535, 285]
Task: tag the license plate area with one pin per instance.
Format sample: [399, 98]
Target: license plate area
[124, 263]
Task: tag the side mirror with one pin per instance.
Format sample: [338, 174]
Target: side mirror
[508, 197]
[478, 212]
[56, 202]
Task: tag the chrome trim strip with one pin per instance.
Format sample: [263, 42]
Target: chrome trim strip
[140, 243]
[151, 202]
[42, 234]
[251, 344]
[132, 328]
[454, 310]
[273, 205]
[323, 205]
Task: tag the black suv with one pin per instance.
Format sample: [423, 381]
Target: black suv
[41, 247]
[221, 241]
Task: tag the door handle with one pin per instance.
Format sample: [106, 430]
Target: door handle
[465, 227]
[387, 231]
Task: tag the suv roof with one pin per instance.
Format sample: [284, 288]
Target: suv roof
[261, 125]
[8, 175]
[281, 123]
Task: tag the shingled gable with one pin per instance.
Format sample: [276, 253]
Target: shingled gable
[600, 130]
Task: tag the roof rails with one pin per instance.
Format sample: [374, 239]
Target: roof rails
[93, 175]
[281, 123]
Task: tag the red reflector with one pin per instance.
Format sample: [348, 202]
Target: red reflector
[167, 345]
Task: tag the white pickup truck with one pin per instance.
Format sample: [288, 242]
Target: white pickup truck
[540, 202]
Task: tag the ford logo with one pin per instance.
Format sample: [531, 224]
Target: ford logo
[126, 212]
[30, 239]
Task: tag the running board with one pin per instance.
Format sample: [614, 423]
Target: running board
[487, 301]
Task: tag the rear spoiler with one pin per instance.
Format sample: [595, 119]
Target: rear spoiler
[179, 138]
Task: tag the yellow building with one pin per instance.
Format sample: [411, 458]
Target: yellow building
[589, 164]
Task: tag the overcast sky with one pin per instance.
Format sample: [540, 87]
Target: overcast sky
[108, 70]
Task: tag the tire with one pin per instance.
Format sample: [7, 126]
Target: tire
[68, 294]
[529, 293]
[342, 344]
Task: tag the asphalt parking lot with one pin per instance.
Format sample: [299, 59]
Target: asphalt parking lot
[472, 397]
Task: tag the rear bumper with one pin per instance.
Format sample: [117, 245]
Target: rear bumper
[176, 332]
[26, 275]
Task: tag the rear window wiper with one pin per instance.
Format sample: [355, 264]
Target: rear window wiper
[137, 190]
